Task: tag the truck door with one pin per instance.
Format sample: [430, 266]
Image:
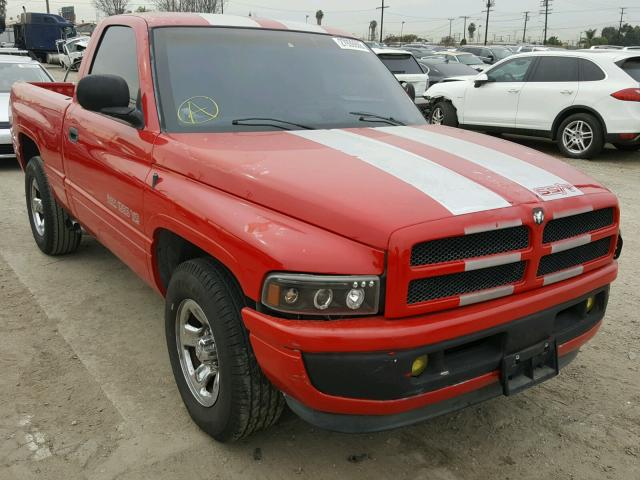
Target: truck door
[107, 160]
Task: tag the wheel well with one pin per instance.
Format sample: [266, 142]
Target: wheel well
[572, 111]
[28, 148]
[171, 250]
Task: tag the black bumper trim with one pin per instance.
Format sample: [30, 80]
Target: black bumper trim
[386, 375]
[377, 423]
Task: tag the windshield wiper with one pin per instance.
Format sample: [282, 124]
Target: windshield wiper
[267, 122]
[366, 117]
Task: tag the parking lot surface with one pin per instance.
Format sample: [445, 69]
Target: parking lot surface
[86, 389]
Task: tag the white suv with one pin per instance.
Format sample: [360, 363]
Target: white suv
[581, 99]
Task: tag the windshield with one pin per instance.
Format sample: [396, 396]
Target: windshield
[469, 59]
[501, 53]
[208, 77]
[20, 72]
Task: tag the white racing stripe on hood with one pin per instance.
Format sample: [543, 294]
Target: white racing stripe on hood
[303, 27]
[456, 193]
[542, 183]
[220, 20]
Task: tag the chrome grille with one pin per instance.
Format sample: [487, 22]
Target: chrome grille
[470, 246]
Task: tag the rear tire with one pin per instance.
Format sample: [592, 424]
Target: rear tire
[580, 136]
[625, 147]
[51, 226]
[232, 398]
[443, 113]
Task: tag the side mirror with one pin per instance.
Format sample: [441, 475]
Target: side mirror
[108, 94]
[481, 80]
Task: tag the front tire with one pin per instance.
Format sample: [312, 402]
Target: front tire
[217, 374]
[51, 226]
[443, 113]
[580, 136]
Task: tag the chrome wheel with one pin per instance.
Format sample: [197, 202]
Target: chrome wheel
[577, 137]
[37, 210]
[437, 116]
[197, 352]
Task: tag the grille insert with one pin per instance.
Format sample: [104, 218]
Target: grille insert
[573, 257]
[575, 225]
[470, 246]
[433, 288]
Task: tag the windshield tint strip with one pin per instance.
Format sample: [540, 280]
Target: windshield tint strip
[219, 20]
[441, 184]
[543, 184]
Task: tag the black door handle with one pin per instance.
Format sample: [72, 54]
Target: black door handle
[73, 135]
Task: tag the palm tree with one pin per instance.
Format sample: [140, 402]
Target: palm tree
[589, 36]
[319, 16]
[471, 29]
[373, 26]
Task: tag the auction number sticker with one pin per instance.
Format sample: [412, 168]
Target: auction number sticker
[351, 44]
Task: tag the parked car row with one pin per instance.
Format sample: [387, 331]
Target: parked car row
[581, 99]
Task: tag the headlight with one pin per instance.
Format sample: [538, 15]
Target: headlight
[322, 294]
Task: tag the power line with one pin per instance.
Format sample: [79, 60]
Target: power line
[545, 4]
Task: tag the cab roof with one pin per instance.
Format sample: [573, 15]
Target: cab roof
[167, 19]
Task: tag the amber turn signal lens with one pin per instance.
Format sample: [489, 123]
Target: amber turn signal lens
[419, 365]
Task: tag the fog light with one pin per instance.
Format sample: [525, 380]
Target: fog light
[291, 296]
[419, 365]
[355, 297]
[322, 299]
[591, 302]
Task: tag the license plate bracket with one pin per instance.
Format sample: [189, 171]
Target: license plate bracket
[528, 367]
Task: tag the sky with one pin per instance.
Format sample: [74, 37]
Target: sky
[427, 18]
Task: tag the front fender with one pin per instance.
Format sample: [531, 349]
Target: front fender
[250, 240]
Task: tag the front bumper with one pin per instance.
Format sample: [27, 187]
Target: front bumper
[288, 350]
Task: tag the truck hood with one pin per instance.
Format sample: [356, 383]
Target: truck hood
[366, 183]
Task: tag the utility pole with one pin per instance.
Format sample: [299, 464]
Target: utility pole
[464, 30]
[622, 9]
[450, 23]
[48, 7]
[490, 5]
[526, 19]
[401, 30]
[381, 18]
[306, 19]
[545, 4]
[222, 7]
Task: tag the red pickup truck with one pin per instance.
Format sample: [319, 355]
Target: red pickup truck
[317, 244]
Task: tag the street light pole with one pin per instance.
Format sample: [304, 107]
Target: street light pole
[401, 31]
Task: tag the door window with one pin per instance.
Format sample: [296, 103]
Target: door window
[117, 55]
[556, 69]
[590, 72]
[512, 71]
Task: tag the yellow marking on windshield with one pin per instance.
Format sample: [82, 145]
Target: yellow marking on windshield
[198, 110]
